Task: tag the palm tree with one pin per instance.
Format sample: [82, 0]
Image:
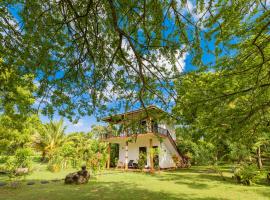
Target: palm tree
[50, 137]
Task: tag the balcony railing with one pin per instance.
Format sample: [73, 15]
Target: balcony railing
[139, 130]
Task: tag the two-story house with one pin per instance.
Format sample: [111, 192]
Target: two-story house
[143, 130]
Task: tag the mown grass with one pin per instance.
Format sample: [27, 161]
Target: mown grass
[195, 183]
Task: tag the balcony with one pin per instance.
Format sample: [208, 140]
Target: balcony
[129, 132]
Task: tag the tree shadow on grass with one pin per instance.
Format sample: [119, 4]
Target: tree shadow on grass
[94, 190]
[195, 180]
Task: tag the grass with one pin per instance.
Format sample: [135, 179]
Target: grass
[195, 183]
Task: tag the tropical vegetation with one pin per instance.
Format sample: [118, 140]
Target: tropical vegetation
[205, 62]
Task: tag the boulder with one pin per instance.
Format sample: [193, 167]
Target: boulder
[79, 177]
[44, 182]
[3, 184]
[30, 183]
[21, 171]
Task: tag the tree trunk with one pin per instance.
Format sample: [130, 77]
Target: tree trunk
[43, 158]
[259, 158]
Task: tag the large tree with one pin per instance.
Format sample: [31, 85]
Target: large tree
[86, 54]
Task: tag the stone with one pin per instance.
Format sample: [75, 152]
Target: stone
[22, 171]
[3, 184]
[55, 180]
[44, 182]
[80, 177]
[30, 183]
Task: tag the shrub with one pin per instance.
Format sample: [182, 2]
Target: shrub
[238, 152]
[155, 153]
[176, 161]
[21, 159]
[142, 160]
[219, 171]
[54, 167]
[54, 164]
[246, 174]
[200, 152]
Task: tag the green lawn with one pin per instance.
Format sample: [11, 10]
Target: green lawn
[194, 183]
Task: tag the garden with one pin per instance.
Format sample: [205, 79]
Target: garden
[202, 65]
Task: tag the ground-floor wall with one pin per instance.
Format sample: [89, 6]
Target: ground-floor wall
[165, 155]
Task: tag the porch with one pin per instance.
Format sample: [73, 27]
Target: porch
[157, 154]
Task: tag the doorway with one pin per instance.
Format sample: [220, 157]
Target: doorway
[156, 157]
[144, 151]
[114, 154]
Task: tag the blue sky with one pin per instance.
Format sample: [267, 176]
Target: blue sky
[84, 124]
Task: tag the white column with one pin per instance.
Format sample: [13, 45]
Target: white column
[126, 156]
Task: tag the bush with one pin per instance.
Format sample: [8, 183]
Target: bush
[21, 159]
[176, 161]
[200, 152]
[219, 171]
[54, 167]
[142, 160]
[246, 174]
[54, 164]
[238, 152]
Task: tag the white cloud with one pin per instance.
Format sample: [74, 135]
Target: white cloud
[166, 64]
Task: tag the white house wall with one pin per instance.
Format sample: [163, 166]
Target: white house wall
[165, 155]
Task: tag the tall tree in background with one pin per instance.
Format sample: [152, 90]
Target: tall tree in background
[17, 121]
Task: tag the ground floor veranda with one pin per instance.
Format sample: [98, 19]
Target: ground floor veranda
[157, 152]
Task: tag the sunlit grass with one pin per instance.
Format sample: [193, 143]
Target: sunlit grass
[195, 183]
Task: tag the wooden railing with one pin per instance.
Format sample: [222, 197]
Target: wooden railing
[144, 130]
[137, 131]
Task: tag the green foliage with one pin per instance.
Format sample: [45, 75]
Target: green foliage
[142, 160]
[49, 137]
[16, 132]
[21, 159]
[17, 120]
[156, 152]
[246, 174]
[195, 146]
[239, 152]
[217, 169]
[176, 160]
[114, 154]
[62, 158]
